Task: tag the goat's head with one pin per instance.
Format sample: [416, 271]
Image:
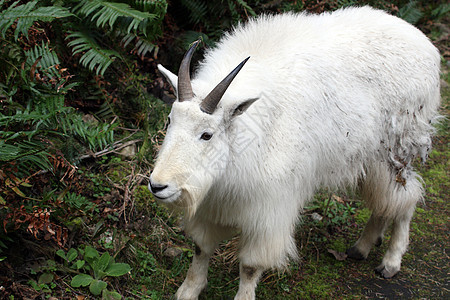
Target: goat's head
[196, 148]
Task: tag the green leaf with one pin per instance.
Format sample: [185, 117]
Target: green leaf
[61, 254]
[118, 269]
[81, 280]
[103, 262]
[71, 254]
[90, 252]
[79, 264]
[110, 295]
[94, 56]
[91, 255]
[45, 278]
[44, 59]
[105, 12]
[97, 286]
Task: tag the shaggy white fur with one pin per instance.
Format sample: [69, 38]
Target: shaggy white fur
[344, 99]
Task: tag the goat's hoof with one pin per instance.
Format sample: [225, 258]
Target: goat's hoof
[354, 253]
[386, 272]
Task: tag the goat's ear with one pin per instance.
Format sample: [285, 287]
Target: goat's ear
[242, 107]
[171, 78]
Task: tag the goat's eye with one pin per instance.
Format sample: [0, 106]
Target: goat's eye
[206, 136]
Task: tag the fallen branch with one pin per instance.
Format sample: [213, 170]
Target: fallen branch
[112, 149]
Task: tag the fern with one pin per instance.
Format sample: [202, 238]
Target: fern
[11, 56]
[442, 10]
[25, 15]
[43, 58]
[105, 112]
[148, 5]
[246, 7]
[197, 10]
[142, 45]
[94, 57]
[410, 13]
[346, 3]
[105, 12]
[25, 153]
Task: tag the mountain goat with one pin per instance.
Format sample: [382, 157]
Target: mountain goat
[333, 100]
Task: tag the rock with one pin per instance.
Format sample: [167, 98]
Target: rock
[316, 217]
[129, 151]
[173, 252]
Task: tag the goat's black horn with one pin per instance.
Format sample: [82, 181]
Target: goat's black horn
[184, 79]
[210, 102]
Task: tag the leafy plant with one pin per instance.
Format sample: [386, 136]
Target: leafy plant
[44, 132]
[94, 57]
[334, 209]
[94, 269]
[78, 202]
[45, 280]
[25, 15]
[114, 19]
[203, 15]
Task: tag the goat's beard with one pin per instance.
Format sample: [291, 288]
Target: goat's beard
[187, 204]
[189, 200]
[192, 194]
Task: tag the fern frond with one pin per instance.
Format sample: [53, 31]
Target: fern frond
[105, 12]
[94, 57]
[410, 13]
[246, 7]
[44, 58]
[25, 153]
[25, 15]
[148, 5]
[197, 9]
[11, 57]
[142, 46]
[105, 112]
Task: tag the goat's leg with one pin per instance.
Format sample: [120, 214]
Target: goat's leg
[196, 279]
[372, 235]
[398, 244]
[249, 277]
[206, 237]
[393, 201]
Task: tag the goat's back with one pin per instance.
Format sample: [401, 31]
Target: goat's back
[345, 88]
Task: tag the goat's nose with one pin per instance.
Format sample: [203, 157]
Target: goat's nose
[156, 187]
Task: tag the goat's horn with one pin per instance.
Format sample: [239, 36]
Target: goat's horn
[184, 79]
[210, 102]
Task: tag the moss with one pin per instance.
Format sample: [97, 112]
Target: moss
[142, 196]
[362, 216]
[340, 244]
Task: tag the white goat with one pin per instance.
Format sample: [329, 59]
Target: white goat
[332, 100]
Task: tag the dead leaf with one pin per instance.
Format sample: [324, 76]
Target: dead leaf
[338, 199]
[340, 256]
